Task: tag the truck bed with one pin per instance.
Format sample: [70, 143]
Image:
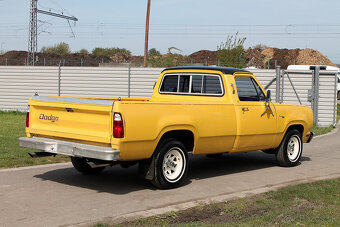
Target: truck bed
[78, 119]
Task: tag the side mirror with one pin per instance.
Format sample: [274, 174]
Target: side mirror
[268, 98]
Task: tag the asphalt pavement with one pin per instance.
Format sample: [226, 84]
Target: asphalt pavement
[55, 195]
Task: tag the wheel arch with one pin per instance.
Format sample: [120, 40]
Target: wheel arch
[184, 134]
[297, 126]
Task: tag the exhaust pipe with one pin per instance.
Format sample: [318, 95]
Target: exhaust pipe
[96, 165]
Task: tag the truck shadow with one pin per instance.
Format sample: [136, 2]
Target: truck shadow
[118, 180]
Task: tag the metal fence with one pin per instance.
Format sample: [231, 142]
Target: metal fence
[18, 83]
[315, 88]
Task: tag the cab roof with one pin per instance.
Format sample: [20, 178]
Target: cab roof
[224, 70]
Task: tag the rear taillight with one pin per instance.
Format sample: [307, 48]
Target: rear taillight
[118, 127]
[28, 117]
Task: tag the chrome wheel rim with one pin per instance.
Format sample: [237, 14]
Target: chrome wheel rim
[174, 164]
[294, 148]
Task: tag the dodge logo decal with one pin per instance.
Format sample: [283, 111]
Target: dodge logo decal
[48, 118]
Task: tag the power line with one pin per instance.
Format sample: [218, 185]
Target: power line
[33, 29]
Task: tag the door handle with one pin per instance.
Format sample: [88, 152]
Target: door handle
[245, 109]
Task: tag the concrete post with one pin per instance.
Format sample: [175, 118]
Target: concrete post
[59, 78]
[316, 86]
[278, 84]
[129, 80]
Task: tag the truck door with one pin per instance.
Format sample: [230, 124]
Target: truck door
[256, 122]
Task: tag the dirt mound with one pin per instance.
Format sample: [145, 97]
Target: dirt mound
[259, 58]
[312, 57]
[45, 59]
[254, 57]
[270, 57]
[204, 56]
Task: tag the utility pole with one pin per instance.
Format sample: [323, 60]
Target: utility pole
[33, 30]
[147, 33]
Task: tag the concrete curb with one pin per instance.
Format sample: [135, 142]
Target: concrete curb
[205, 201]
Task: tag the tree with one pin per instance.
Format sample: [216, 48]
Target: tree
[230, 53]
[153, 51]
[83, 51]
[60, 48]
[110, 51]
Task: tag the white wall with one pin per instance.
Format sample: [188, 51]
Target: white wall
[19, 83]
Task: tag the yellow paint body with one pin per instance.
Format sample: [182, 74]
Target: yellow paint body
[218, 124]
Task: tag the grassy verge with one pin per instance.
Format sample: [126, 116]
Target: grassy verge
[319, 131]
[12, 126]
[313, 204]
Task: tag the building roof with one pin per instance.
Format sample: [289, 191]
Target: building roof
[224, 70]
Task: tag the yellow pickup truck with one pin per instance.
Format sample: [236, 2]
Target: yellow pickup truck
[198, 110]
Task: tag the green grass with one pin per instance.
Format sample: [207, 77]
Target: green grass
[319, 131]
[12, 126]
[312, 204]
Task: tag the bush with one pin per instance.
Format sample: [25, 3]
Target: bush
[83, 51]
[260, 46]
[110, 51]
[153, 51]
[61, 48]
[230, 53]
[167, 60]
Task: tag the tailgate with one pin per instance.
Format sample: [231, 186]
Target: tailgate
[74, 119]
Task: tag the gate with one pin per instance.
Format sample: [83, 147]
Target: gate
[316, 88]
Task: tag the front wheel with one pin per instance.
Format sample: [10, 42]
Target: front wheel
[290, 150]
[171, 164]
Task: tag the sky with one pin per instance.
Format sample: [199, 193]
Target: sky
[189, 25]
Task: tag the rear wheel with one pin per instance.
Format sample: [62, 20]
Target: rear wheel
[82, 165]
[290, 150]
[171, 164]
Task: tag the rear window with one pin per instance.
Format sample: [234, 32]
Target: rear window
[192, 84]
[211, 85]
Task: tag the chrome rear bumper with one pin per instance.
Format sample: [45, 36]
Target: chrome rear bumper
[70, 148]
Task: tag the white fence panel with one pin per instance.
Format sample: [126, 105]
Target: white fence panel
[19, 83]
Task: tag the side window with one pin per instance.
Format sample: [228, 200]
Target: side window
[212, 85]
[200, 84]
[184, 82]
[170, 83]
[247, 90]
[196, 86]
[260, 93]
